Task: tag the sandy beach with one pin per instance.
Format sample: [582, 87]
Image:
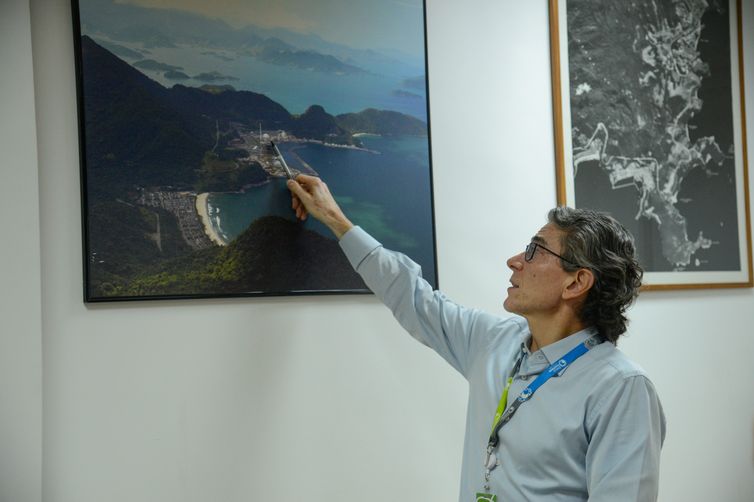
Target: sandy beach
[203, 212]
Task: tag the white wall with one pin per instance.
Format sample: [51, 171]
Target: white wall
[20, 294]
[325, 398]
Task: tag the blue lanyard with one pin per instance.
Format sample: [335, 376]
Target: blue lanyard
[556, 368]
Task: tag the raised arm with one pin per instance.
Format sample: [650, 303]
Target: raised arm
[397, 281]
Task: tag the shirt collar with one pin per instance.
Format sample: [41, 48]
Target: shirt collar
[556, 350]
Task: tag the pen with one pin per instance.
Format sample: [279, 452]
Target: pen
[288, 171]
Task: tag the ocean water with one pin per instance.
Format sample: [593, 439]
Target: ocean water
[388, 194]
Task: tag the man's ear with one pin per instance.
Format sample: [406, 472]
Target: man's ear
[579, 284]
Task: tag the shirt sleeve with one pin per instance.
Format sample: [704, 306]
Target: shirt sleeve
[426, 314]
[627, 431]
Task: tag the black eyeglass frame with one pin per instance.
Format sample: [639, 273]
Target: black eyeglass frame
[531, 249]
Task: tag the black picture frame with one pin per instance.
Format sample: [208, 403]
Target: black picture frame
[649, 115]
[183, 194]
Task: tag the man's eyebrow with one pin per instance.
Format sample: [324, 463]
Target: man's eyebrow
[538, 240]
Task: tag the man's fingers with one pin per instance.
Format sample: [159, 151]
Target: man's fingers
[311, 196]
[296, 188]
[306, 179]
[300, 192]
[297, 193]
[300, 209]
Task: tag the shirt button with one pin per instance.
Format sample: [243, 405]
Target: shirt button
[524, 377]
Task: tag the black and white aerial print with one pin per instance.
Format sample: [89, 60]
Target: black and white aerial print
[652, 129]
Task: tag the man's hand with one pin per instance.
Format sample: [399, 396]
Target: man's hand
[310, 195]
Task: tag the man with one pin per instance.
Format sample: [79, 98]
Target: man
[582, 421]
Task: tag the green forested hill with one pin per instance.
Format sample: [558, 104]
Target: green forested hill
[273, 255]
[383, 122]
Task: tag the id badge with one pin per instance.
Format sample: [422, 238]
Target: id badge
[485, 497]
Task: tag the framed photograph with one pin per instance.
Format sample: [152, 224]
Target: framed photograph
[191, 112]
[650, 127]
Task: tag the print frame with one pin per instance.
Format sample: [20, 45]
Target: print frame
[621, 121]
[177, 145]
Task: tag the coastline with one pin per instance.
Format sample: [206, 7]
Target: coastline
[203, 212]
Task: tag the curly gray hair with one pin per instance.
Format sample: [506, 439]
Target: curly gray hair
[598, 242]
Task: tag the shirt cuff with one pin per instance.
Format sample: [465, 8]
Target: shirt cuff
[357, 245]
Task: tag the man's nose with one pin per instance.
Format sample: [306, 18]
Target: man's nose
[515, 262]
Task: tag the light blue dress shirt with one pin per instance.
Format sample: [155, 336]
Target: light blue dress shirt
[594, 433]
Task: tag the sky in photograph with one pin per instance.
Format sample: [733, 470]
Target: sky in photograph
[383, 24]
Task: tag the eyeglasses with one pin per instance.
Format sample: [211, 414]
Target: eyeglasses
[531, 248]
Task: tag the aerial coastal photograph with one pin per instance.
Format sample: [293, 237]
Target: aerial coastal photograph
[652, 127]
[194, 115]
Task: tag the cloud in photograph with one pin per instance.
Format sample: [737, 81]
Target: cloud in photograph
[395, 24]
